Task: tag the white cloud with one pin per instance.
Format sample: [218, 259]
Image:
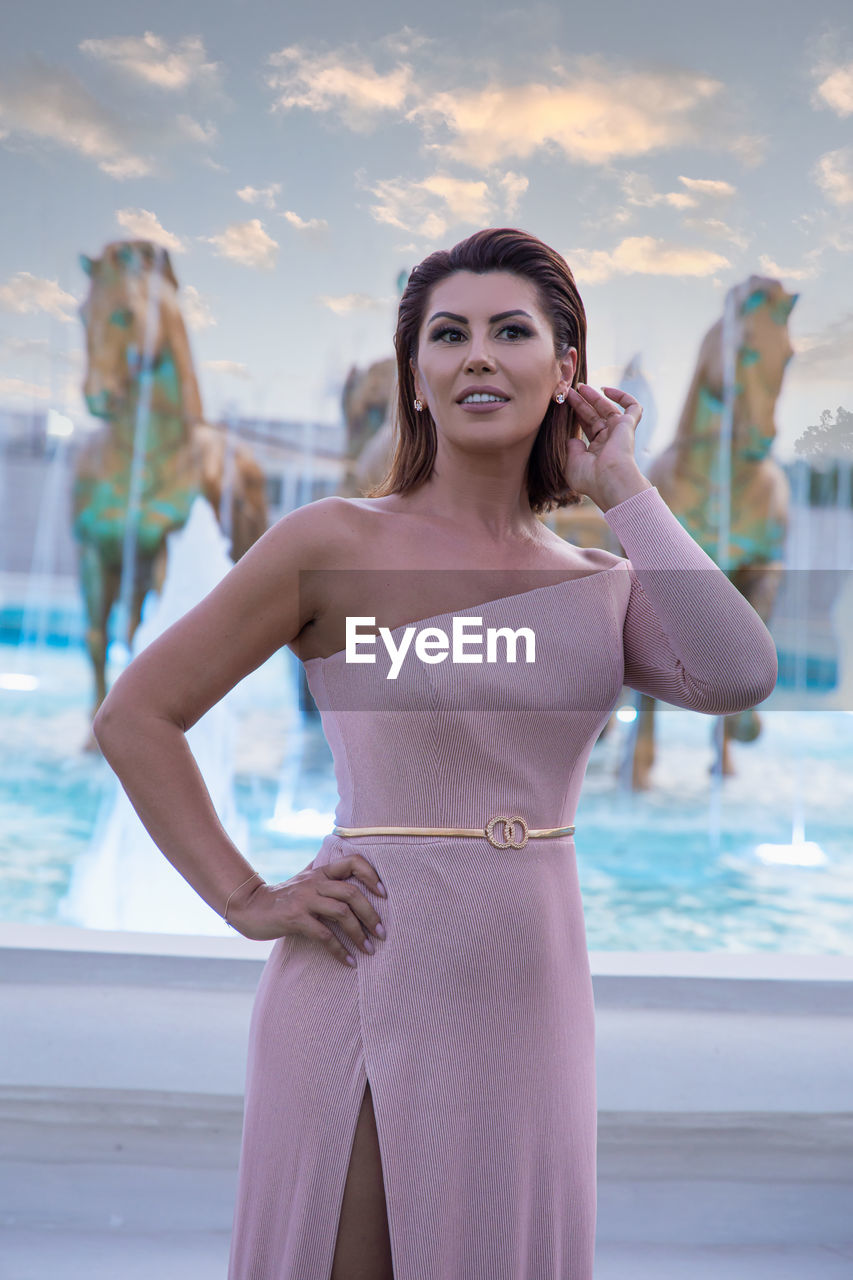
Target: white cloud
[429, 206]
[589, 108]
[826, 354]
[206, 134]
[825, 231]
[406, 40]
[66, 366]
[717, 228]
[643, 255]
[835, 88]
[26, 294]
[717, 188]
[26, 347]
[514, 186]
[142, 224]
[772, 268]
[52, 104]
[195, 309]
[638, 189]
[833, 173]
[150, 59]
[840, 239]
[126, 167]
[639, 192]
[344, 303]
[305, 224]
[40, 348]
[338, 81]
[260, 195]
[600, 112]
[748, 148]
[234, 367]
[680, 200]
[246, 243]
[465, 201]
[17, 389]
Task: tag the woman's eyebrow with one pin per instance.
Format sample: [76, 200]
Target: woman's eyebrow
[502, 315]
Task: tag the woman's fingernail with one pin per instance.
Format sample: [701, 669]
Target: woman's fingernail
[381, 887]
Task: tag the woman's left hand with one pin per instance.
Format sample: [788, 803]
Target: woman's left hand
[609, 426]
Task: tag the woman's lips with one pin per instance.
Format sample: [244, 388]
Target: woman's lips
[488, 407]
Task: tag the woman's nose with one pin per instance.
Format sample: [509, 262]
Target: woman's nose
[480, 361]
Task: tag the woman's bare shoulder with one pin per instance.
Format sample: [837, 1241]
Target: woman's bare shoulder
[600, 558]
[359, 532]
[588, 559]
[338, 528]
[321, 527]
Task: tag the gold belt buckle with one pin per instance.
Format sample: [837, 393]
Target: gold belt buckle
[508, 824]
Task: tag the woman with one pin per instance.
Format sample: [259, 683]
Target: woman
[420, 1086]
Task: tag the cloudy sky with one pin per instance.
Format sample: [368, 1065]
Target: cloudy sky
[295, 157]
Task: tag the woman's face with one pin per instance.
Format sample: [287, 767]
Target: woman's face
[488, 334]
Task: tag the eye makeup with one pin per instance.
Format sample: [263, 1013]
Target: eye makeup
[438, 334]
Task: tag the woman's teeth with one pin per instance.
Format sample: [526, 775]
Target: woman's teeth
[479, 398]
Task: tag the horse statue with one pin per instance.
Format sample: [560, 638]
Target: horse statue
[686, 474]
[154, 454]
[366, 401]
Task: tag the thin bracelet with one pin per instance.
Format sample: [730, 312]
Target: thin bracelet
[231, 895]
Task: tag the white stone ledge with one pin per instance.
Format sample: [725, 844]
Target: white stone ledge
[676, 1032]
[32, 951]
[82, 1160]
[724, 1082]
[156, 1128]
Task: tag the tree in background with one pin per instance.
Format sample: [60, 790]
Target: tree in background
[828, 439]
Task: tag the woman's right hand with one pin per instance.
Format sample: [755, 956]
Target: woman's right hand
[300, 905]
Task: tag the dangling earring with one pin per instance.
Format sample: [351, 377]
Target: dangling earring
[559, 397]
[418, 406]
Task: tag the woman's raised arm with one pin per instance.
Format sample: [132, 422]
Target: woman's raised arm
[258, 606]
[690, 637]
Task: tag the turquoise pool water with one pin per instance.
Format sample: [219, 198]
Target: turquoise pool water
[685, 866]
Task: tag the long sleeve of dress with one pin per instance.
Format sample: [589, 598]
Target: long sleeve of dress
[690, 637]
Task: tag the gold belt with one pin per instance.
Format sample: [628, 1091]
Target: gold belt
[509, 842]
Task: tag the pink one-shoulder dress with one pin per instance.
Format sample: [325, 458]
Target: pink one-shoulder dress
[473, 1021]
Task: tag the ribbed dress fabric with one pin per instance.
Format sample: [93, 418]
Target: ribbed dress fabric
[473, 1020]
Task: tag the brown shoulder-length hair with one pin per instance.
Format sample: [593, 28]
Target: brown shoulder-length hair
[494, 249]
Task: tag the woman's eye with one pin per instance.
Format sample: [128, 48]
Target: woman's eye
[515, 331]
